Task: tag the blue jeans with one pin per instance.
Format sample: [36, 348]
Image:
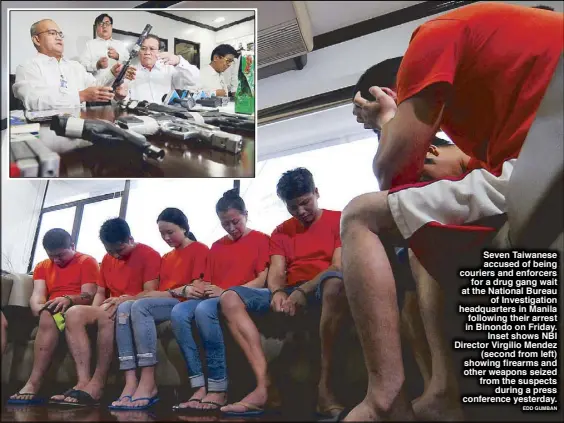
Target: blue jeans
[206, 314]
[136, 330]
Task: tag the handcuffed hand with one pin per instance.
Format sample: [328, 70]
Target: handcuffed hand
[56, 305]
[213, 291]
[295, 302]
[278, 300]
[374, 114]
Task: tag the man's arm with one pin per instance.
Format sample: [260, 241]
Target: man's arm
[405, 138]
[185, 75]
[259, 281]
[99, 297]
[38, 296]
[87, 60]
[311, 285]
[277, 273]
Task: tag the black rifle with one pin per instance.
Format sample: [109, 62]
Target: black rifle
[133, 54]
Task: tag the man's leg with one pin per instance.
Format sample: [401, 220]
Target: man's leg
[146, 313]
[126, 352]
[77, 318]
[334, 309]
[181, 319]
[247, 336]
[371, 292]
[440, 400]
[45, 344]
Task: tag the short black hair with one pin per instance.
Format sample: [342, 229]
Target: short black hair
[544, 7]
[56, 238]
[382, 74]
[295, 183]
[223, 50]
[115, 230]
[231, 200]
[177, 217]
[100, 18]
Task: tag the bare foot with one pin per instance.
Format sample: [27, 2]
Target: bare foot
[61, 397]
[29, 390]
[399, 411]
[195, 399]
[258, 398]
[92, 388]
[143, 392]
[430, 407]
[213, 397]
[126, 395]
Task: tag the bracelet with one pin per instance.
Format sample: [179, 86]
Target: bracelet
[70, 299]
[302, 291]
[276, 291]
[184, 291]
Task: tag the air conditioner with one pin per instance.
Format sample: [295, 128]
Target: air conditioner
[284, 33]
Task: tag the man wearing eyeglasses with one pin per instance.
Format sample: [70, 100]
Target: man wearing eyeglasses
[50, 81]
[103, 52]
[160, 72]
[212, 77]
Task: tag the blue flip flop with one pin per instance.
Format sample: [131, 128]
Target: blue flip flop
[152, 401]
[252, 410]
[34, 400]
[117, 407]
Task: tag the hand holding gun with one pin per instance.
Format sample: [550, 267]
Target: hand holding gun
[134, 52]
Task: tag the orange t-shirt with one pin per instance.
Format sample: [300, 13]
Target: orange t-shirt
[181, 267]
[127, 277]
[234, 263]
[308, 251]
[499, 59]
[68, 280]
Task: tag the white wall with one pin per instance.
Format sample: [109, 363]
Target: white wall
[77, 27]
[242, 33]
[21, 204]
[342, 64]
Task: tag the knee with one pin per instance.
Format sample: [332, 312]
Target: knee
[361, 211]
[333, 288]
[139, 308]
[74, 317]
[230, 302]
[181, 314]
[205, 311]
[46, 322]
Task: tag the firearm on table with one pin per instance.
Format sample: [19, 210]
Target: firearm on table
[183, 129]
[30, 158]
[132, 55]
[102, 131]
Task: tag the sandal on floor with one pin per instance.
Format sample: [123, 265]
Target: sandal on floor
[326, 412]
[251, 410]
[338, 417]
[34, 400]
[180, 409]
[83, 399]
[64, 394]
[152, 401]
[112, 407]
[211, 410]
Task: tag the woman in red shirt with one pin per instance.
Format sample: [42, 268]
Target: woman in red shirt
[240, 258]
[136, 331]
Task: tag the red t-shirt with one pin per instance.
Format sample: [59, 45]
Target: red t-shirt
[308, 251]
[126, 277]
[234, 263]
[181, 267]
[499, 59]
[68, 280]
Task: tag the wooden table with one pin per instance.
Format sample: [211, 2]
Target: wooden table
[183, 159]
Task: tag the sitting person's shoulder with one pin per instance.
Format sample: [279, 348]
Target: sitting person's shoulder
[147, 250]
[85, 258]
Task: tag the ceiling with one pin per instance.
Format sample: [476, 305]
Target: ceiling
[325, 16]
[207, 17]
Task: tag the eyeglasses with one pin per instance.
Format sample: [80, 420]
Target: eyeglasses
[229, 60]
[149, 49]
[104, 24]
[52, 33]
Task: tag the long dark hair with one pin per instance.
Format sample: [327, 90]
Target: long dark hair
[174, 215]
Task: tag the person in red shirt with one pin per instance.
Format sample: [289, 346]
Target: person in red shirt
[478, 73]
[181, 272]
[61, 283]
[305, 254]
[237, 266]
[128, 269]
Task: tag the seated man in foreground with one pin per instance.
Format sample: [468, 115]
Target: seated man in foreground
[487, 111]
[305, 268]
[49, 81]
[128, 269]
[66, 278]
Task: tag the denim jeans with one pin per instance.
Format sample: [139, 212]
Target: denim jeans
[206, 314]
[136, 330]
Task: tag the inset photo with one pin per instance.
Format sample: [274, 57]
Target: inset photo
[140, 93]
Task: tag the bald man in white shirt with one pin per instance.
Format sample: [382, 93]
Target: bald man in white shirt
[158, 73]
[49, 81]
[103, 52]
[212, 75]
